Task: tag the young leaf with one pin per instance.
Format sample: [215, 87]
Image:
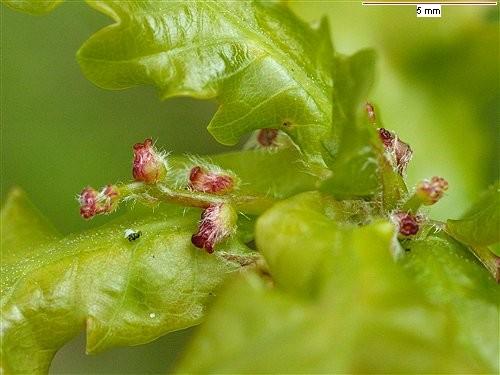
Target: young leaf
[124, 292]
[298, 249]
[480, 226]
[266, 67]
[370, 317]
[22, 227]
[35, 7]
[357, 161]
[451, 277]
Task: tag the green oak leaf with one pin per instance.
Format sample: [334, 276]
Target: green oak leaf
[480, 225]
[495, 249]
[121, 292]
[22, 227]
[35, 7]
[354, 77]
[359, 166]
[299, 264]
[479, 228]
[344, 306]
[453, 278]
[266, 67]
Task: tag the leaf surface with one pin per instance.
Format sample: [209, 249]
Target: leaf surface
[343, 306]
[265, 67]
[122, 292]
[35, 7]
[22, 226]
[453, 278]
[359, 166]
[480, 225]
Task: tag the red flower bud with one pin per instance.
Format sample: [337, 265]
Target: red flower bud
[400, 151]
[87, 200]
[267, 137]
[408, 224]
[431, 191]
[93, 203]
[386, 137]
[218, 221]
[150, 166]
[210, 182]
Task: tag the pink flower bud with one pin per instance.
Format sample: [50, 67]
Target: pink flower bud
[88, 200]
[218, 221]
[267, 137]
[431, 191]
[370, 111]
[400, 151]
[210, 182]
[386, 137]
[93, 203]
[150, 166]
[408, 224]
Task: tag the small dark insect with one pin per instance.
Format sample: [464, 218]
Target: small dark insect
[132, 235]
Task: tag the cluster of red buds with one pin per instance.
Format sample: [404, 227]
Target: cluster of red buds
[429, 192]
[93, 202]
[400, 152]
[218, 221]
[215, 182]
[408, 224]
[149, 165]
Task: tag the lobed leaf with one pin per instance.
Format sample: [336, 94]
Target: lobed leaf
[340, 306]
[35, 7]
[123, 293]
[265, 67]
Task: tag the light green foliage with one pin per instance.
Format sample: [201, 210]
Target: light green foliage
[453, 278]
[479, 228]
[265, 67]
[354, 161]
[480, 225]
[35, 7]
[22, 227]
[357, 161]
[356, 310]
[330, 297]
[123, 293]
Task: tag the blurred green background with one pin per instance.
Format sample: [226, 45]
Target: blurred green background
[437, 86]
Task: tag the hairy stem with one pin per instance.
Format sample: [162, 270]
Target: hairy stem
[249, 204]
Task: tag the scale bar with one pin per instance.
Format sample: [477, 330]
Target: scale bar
[463, 3]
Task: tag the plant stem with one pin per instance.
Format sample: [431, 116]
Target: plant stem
[412, 204]
[249, 204]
